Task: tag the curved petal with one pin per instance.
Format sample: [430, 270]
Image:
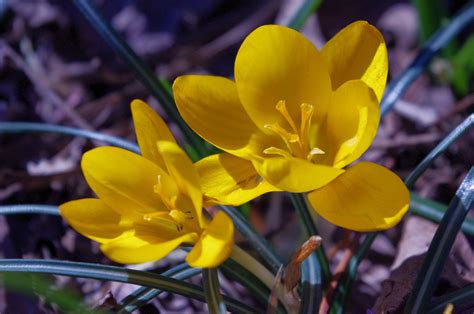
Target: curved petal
[124, 180]
[182, 170]
[149, 128]
[95, 220]
[131, 249]
[215, 244]
[277, 63]
[350, 125]
[230, 180]
[367, 197]
[295, 174]
[211, 107]
[358, 51]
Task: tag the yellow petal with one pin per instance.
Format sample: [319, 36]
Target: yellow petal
[277, 63]
[357, 52]
[295, 174]
[124, 180]
[95, 220]
[226, 179]
[350, 126]
[367, 197]
[182, 170]
[211, 107]
[215, 244]
[131, 249]
[149, 128]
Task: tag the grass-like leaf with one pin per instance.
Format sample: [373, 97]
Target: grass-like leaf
[35, 284]
[303, 13]
[211, 288]
[254, 238]
[28, 127]
[430, 271]
[440, 39]
[113, 273]
[344, 286]
[435, 211]
[455, 298]
[158, 88]
[315, 272]
[143, 295]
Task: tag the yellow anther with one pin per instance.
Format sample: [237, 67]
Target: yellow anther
[314, 151]
[281, 107]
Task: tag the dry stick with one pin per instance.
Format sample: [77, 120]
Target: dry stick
[43, 90]
[338, 272]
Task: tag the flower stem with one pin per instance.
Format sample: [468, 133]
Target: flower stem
[214, 301]
[252, 265]
[304, 212]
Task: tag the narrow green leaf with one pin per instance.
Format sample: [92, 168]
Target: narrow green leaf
[113, 273]
[211, 288]
[28, 209]
[303, 13]
[254, 238]
[462, 72]
[143, 295]
[34, 284]
[456, 298]
[27, 127]
[439, 149]
[345, 285]
[435, 211]
[301, 206]
[160, 89]
[440, 39]
[430, 15]
[315, 272]
[311, 285]
[430, 271]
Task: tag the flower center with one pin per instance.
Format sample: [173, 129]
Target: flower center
[296, 139]
[175, 216]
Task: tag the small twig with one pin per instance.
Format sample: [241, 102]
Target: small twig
[43, 90]
[348, 253]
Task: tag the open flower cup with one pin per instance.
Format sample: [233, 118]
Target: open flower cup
[148, 205]
[295, 119]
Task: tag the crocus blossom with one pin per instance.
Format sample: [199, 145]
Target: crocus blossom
[148, 205]
[293, 120]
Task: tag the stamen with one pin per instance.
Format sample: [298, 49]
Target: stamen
[162, 219]
[287, 136]
[170, 203]
[306, 115]
[276, 151]
[281, 107]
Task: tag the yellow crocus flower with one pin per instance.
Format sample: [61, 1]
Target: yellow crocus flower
[148, 205]
[294, 118]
